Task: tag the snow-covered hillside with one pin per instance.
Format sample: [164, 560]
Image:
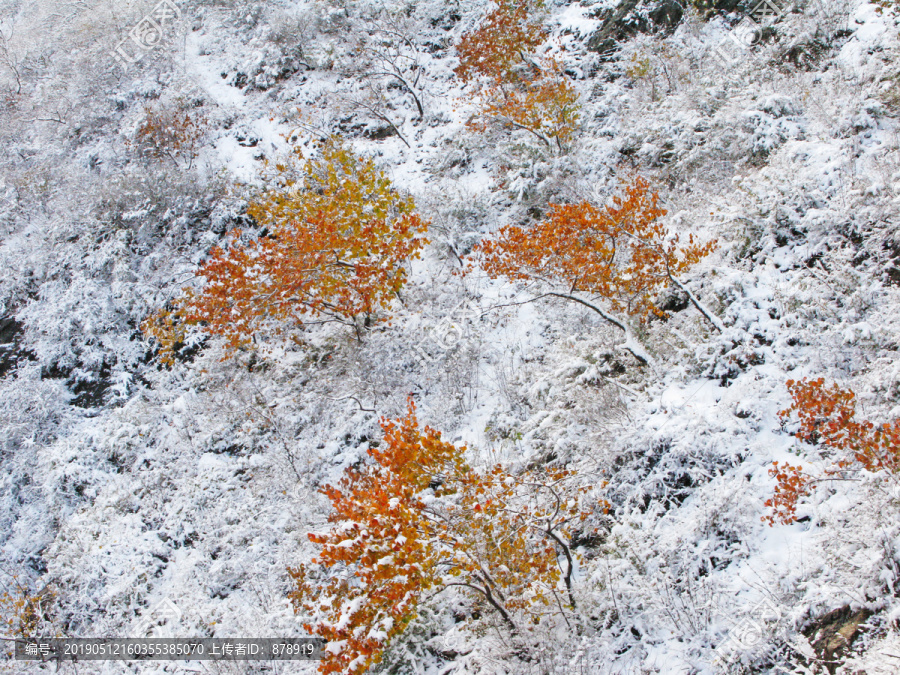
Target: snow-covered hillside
[142, 499]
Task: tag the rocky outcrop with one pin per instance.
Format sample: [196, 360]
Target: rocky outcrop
[631, 17]
[833, 634]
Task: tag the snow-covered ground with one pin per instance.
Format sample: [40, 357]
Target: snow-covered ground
[126, 486]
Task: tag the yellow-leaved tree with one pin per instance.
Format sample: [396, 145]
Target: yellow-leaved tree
[338, 239]
[621, 253]
[516, 88]
[418, 521]
[24, 613]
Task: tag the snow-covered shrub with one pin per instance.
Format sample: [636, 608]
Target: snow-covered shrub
[172, 130]
[771, 125]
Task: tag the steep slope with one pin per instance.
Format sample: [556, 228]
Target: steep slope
[126, 484]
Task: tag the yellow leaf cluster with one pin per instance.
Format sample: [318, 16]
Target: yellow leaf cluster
[21, 612]
[544, 105]
[339, 237]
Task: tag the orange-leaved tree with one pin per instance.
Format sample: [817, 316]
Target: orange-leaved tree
[418, 521]
[516, 88]
[621, 253]
[339, 237]
[499, 47]
[827, 416]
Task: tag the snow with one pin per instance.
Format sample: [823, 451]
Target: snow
[198, 485]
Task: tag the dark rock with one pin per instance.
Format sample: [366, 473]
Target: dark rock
[10, 330]
[247, 142]
[713, 7]
[834, 633]
[89, 391]
[667, 15]
[632, 17]
[675, 302]
[350, 126]
[289, 65]
[588, 539]
[618, 24]
[223, 447]
[446, 21]
[240, 80]
[380, 133]
[892, 270]
[804, 55]
[11, 351]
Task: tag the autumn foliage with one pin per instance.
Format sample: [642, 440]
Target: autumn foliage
[827, 416]
[23, 613]
[339, 237]
[515, 88]
[418, 521]
[544, 105]
[500, 44]
[620, 252]
[173, 131]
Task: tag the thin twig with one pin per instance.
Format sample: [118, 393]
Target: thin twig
[353, 398]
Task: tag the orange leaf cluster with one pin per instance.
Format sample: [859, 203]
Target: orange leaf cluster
[339, 237]
[498, 47]
[419, 519]
[827, 415]
[515, 89]
[621, 252]
[792, 484]
[380, 538]
[172, 132]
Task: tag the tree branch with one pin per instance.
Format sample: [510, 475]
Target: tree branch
[486, 592]
[631, 344]
[712, 318]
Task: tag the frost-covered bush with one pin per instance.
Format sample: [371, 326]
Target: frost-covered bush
[771, 125]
